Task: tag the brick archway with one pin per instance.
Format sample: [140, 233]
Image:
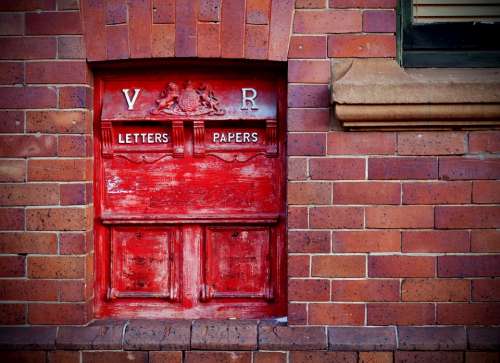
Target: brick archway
[237, 29]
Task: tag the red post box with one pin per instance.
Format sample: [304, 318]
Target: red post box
[190, 192]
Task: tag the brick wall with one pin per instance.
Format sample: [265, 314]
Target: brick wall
[386, 229]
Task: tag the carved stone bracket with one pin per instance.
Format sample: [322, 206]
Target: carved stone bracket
[271, 138]
[178, 138]
[199, 137]
[107, 139]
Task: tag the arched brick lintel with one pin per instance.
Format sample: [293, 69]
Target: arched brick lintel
[236, 29]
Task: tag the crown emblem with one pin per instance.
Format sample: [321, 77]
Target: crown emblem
[189, 101]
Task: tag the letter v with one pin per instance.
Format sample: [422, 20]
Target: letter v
[131, 103]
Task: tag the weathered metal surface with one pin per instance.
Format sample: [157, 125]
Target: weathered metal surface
[190, 197]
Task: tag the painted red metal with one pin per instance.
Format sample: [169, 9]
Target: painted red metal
[190, 193]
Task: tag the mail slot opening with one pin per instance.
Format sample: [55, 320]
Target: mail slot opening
[190, 193]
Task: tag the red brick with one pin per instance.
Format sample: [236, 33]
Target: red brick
[400, 314]
[468, 314]
[28, 97]
[309, 71]
[365, 290]
[484, 141]
[26, 48]
[486, 290]
[165, 357]
[375, 357]
[116, 12]
[298, 266]
[308, 96]
[469, 266]
[75, 97]
[401, 266]
[29, 194]
[11, 121]
[400, 217]
[67, 5]
[309, 241]
[309, 290]
[27, 5]
[309, 193]
[269, 357]
[56, 72]
[208, 40]
[428, 357]
[72, 145]
[280, 29]
[366, 241]
[297, 314]
[58, 121]
[485, 241]
[11, 72]
[364, 46]
[297, 168]
[379, 21]
[117, 46]
[27, 145]
[72, 194]
[54, 314]
[209, 10]
[435, 241]
[15, 314]
[63, 219]
[322, 357]
[338, 266]
[163, 40]
[11, 24]
[432, 143]
[366, 193]
[140, 23]
[95, 38]
[256, 41]
[12, 170]
[53, 23]
[62, 356]
[115, 357]
[232, 29]
[308, 119]
[361, 143]
[72, 291]
[390, 4]
[454, 168]
[337, 168]
[307, 46]
[327, 21]
[336, 217]
[306, 144]
[29, 290]
[26, 242]
[310, 4]
[482, 357]
[55, 267]
[12, 219]
[12, 266]
[257, 11]
[435, 290]
[215, 357]
[468, 217]
[164, 11]
[437, 193]
[297, 217]
[56, 169]
[336, 314]
[486, 191]
[402, 168]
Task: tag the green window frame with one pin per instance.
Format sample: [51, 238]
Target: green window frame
[453, 44]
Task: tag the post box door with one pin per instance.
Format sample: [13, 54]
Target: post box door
[190, 192]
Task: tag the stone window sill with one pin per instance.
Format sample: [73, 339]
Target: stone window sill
[378, 93]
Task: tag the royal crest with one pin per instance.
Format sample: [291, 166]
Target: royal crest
[189, 101]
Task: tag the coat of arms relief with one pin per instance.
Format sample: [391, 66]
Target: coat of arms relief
[189, 101]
